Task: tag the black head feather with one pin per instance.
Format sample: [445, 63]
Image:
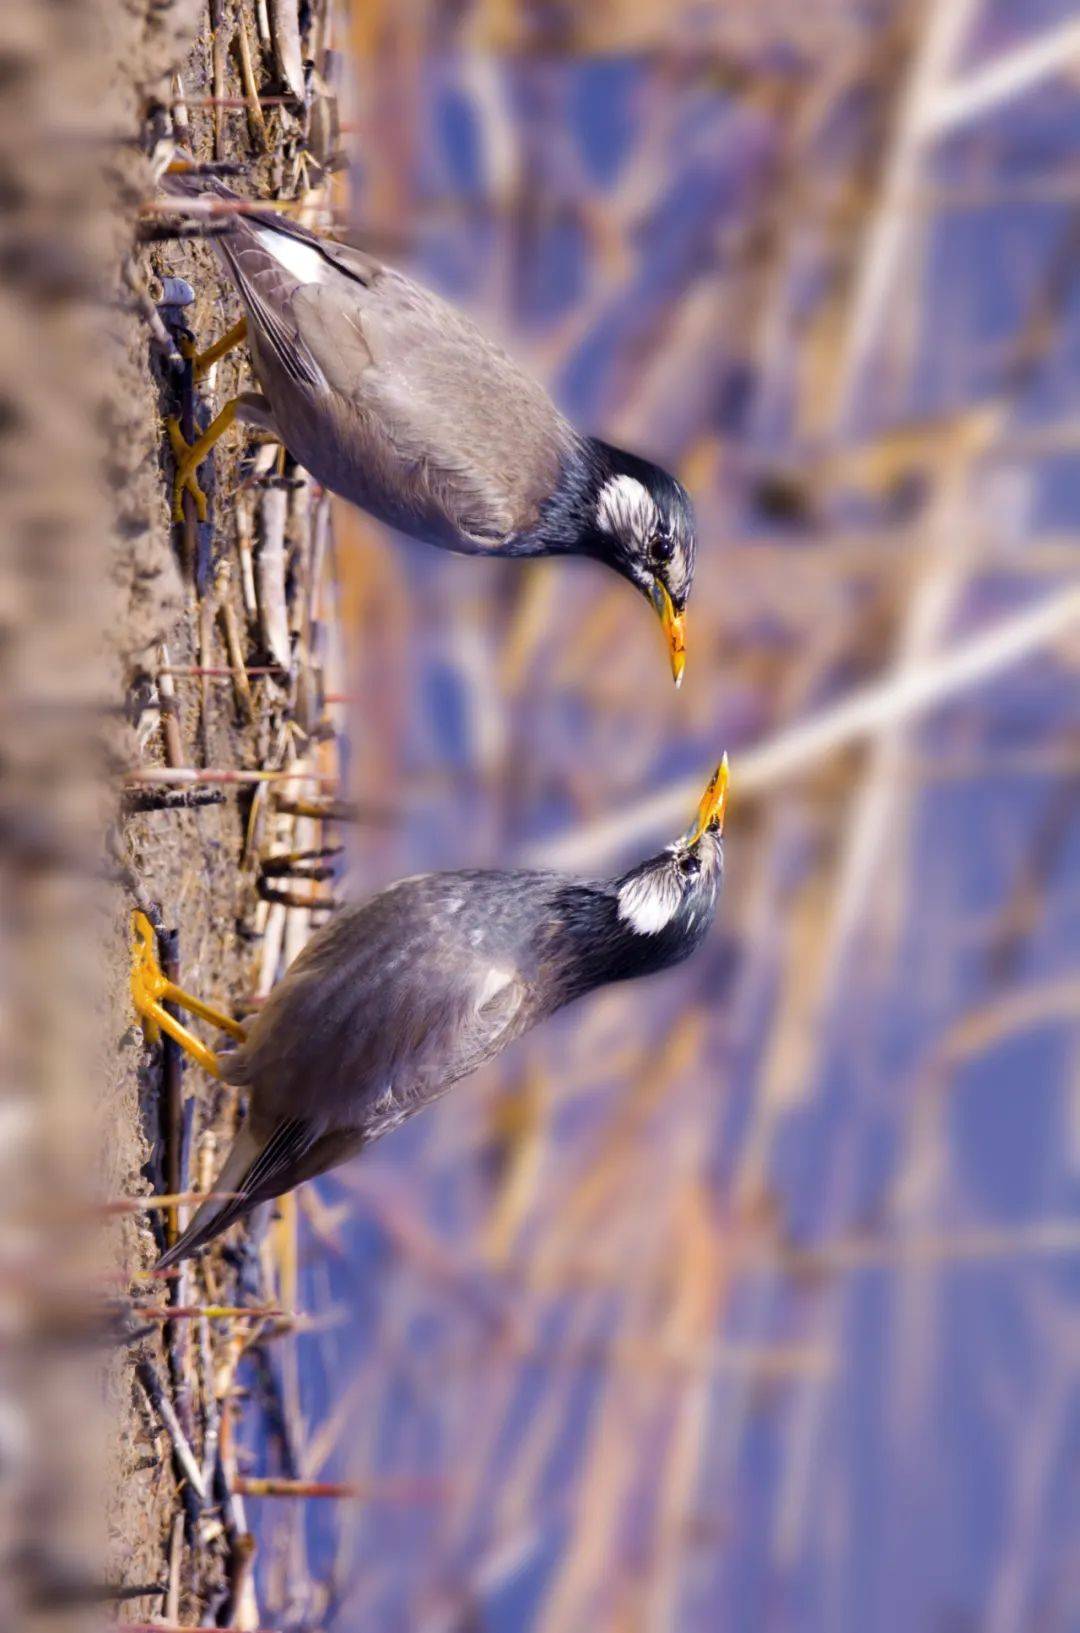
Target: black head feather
[624, 511]
[642, 921]
[643, 522]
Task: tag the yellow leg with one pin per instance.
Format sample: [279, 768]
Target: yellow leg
[190, 455]
[151, 990]
[203, 361]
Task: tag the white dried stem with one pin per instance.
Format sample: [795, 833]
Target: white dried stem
[270, 575]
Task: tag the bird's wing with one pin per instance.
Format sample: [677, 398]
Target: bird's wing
[259, 1166]
[266, 286]
[472, 436]
[452, 402]
[389, 1004]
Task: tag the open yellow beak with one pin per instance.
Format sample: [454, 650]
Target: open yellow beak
[711, 806]
[674, 624]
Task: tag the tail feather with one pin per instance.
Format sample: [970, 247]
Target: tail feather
[219, 1211]
[191, 184]
[257, 1168]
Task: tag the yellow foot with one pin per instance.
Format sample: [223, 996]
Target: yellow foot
[185, 479]
[147, 980]
[202, 362]
[190, 455]
[151, 989]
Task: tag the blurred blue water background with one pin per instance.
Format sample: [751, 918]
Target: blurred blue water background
[747, 1298]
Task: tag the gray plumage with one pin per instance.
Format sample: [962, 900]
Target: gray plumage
[395, 400]
[392, 398]
[394, 1001]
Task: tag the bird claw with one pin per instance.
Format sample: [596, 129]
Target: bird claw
[190, 455]
[151, 989]
[188, 460]
[148, 981]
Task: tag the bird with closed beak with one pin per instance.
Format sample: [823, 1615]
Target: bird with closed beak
[392, 1002]
[393, 399]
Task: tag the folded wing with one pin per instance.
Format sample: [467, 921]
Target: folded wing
[384, 1010]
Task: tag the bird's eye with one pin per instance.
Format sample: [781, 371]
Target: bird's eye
[663, 547]
[690, 866]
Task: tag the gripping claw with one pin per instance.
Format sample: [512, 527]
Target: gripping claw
[190, 455]
[151, 989]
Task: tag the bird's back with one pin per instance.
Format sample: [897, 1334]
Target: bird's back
[394, 1001]
[391, 396]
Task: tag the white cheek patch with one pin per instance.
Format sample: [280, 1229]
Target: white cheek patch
[679, 572]
[627, 508]
[650, 901]
[302, 260]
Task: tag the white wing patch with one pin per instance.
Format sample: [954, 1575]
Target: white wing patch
[650, 900]
[627, 508]
[302, 260]
[494, 982]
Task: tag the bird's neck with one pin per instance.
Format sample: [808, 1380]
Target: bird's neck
[567, 524]
[590, 945]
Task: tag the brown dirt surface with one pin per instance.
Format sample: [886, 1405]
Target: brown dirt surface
[189, 867]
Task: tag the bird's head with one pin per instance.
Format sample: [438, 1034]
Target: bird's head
[643, 526]
[672, 896]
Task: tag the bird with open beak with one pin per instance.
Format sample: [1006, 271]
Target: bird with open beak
[391, 1002]
[392, 398]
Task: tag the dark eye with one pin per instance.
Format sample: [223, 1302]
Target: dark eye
[663, 547]
[690, 866]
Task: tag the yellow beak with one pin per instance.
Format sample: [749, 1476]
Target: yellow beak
[674, 624]
[712, 806]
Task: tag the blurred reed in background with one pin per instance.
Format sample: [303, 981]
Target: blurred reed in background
[747, 1298]
[54, 532]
